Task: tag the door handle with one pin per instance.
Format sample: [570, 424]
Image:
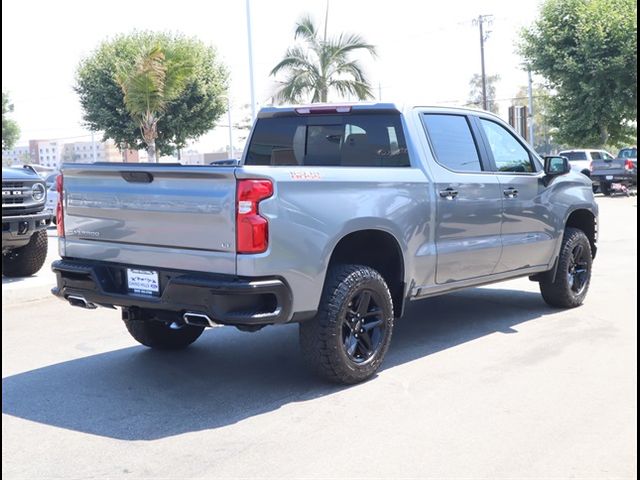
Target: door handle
[511, 192]
[449, 193]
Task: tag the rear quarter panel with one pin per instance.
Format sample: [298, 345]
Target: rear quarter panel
[314, 207]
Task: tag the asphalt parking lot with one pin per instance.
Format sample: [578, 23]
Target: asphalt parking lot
[484, 383]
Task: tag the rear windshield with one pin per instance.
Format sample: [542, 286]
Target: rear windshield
[574, 155]
[628, 153]
[358, 140]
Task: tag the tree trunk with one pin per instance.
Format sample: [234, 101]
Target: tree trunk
[151, 152]
[604, 135]
[323, 94]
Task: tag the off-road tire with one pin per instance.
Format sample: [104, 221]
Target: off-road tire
[321, 337]
[27, 260]
[558, 293]
[157, 334]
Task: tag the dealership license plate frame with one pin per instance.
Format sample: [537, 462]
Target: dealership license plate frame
[143, 282]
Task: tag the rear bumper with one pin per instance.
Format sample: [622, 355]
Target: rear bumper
[226, 299]
[17, 229]
[626, 178]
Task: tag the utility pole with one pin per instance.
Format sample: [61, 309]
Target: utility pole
[531, 139]
[253, 94]
[483, 36]
[379, 92]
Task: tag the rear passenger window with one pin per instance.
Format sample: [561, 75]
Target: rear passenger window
[356, 140]
[574, 155]
[452, 141]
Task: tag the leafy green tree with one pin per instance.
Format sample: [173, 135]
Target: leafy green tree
[10, 129]
[189, 115]
[587, 51]
[320, 65]
[149, 85]
[475, 93]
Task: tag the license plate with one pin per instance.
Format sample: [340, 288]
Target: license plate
[609, 177]
[143, 282]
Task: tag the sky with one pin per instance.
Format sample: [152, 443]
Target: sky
[427, 50]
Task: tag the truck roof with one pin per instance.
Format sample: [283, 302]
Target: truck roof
[349, 107]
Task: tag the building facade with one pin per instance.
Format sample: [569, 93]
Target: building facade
[16, 155]
[53, 153]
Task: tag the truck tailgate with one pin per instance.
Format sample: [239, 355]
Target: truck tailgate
[165, 216]
[608, 167]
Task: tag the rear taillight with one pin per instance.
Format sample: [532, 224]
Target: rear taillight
[252, 230]
[59, 207]
[628, 164]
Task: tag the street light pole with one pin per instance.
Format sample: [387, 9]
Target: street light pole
[93, 147]
[484, 77]
[531, 139]
[253, 95]
[230, 127]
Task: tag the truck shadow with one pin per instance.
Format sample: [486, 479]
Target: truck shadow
[228, 376]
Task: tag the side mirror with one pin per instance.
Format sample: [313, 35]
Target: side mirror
[554, 166]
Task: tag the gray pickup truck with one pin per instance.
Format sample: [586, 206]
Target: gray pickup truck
[335, 217]
[608, 173]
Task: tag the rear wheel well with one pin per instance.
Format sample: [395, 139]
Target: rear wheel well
[585, 220]
[380, 251]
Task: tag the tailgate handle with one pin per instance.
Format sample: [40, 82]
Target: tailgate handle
[137, 177]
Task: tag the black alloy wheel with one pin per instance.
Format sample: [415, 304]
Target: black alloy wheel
[363, 326]
[578, 272]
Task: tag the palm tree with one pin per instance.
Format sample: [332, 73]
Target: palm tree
[320, 65]
[154, 80]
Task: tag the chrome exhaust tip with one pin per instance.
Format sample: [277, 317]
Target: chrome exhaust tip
[198, 319]
[78, 301]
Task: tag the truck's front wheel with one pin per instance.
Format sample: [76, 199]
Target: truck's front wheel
[27, 260]
[571, 283]
[347, 340]
[163, 336]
